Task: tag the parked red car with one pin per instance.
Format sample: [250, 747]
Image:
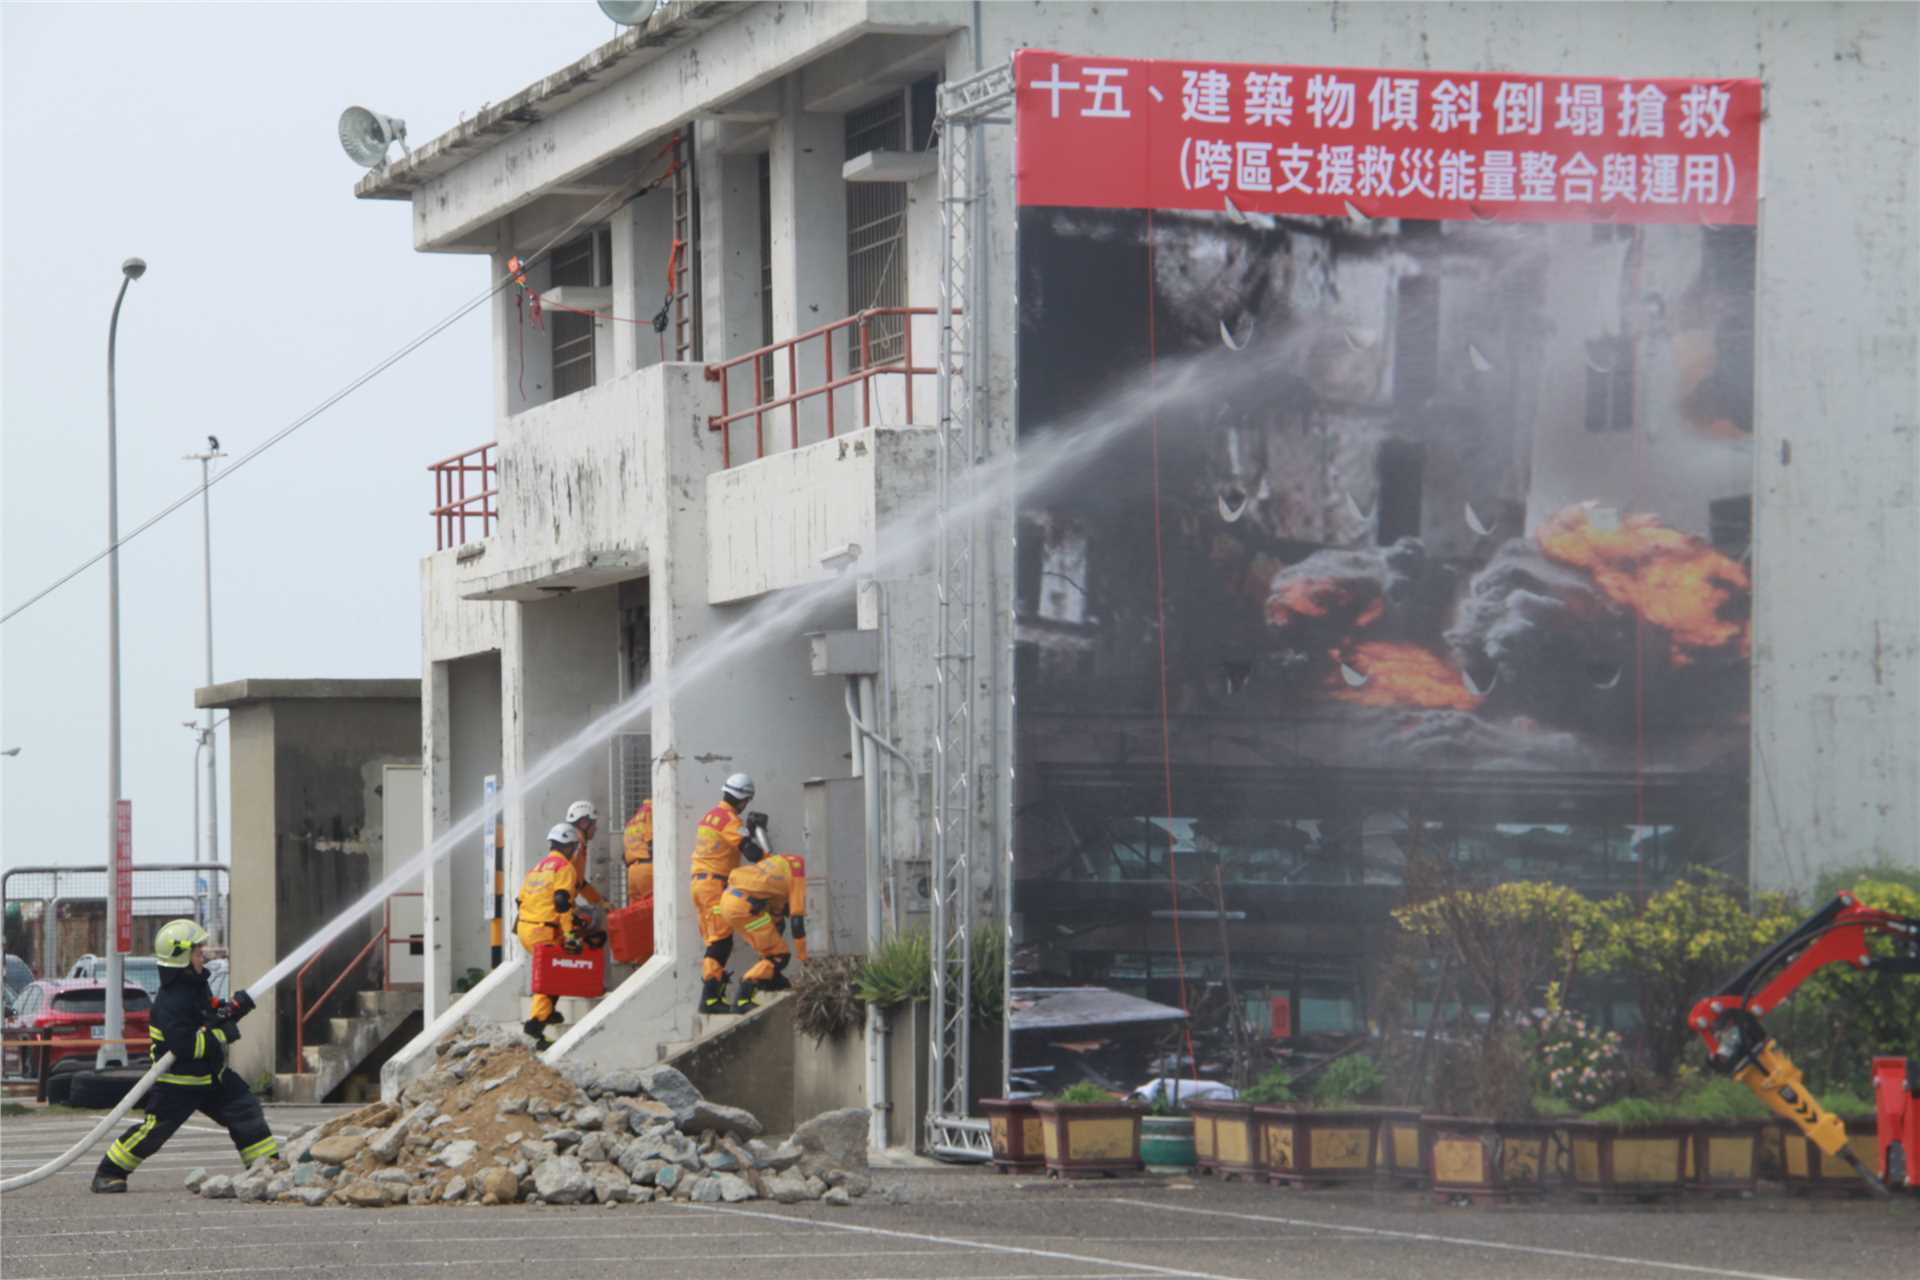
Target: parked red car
[66, 1009]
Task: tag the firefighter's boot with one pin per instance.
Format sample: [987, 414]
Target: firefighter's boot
[107, 1184]
[713, 996]
[746, 1003]
[536, 1030]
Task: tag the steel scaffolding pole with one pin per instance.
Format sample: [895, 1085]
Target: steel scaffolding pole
[966, 106]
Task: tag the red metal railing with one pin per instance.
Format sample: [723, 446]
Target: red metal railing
[465, 487]
[860, 337]
[304, 1012]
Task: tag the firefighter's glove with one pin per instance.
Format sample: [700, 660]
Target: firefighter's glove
[596, 938]
[571, 944]
[757, 821]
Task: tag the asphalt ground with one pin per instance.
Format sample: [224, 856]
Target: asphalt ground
[952, 1224]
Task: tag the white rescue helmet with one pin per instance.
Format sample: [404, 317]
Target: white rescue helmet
[738, 787]
[564, 835]
[582, 811]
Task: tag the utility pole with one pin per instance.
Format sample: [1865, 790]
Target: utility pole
[113, 1053]
[205, 459]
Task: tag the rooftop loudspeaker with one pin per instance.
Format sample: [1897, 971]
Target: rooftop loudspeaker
[366, 135]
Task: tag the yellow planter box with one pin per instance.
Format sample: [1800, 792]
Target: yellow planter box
[1484, 1160]
[1808, 1169]
[1226, 1139]
[1081, 1139]
[1609, 1161]
[1018, 1144]
[1306, 1148]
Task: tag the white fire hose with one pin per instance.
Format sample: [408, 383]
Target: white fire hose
[94, 1135]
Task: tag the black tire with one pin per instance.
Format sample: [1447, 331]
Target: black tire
[60, 1087]
[99, 1090]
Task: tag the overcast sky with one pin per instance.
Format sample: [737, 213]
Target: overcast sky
[201, 137]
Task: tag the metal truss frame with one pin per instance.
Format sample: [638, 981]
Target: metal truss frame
[967, 108]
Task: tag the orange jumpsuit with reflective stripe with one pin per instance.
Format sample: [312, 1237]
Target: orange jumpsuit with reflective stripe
[638, 850]
[545, 912]
[760, 897]
[716, 852]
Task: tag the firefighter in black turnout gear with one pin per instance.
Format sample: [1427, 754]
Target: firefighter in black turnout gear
[188, 1022]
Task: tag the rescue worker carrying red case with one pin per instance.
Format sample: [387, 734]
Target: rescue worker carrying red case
[545, 908]
[716, 852]
[763, 893]
[637, 850]
[188, 1022]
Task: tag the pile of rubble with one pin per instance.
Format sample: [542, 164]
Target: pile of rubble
[493, 1124]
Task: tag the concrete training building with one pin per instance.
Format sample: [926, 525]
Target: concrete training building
[753, 173]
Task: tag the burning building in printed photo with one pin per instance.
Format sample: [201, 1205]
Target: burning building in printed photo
[1442, 548]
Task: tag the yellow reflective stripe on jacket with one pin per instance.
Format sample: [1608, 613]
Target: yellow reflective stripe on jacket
[220, 1034]
[760, 922]
[154, 1033]
[170, 1078]
[200, 1043]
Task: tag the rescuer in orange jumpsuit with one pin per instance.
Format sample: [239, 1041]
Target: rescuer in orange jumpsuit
[585, 819]
[763, 893]
[545, 916]
[638, 850]
[716, 852]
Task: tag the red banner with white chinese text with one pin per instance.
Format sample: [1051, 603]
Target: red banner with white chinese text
[1134, 133]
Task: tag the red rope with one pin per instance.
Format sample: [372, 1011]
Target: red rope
[1166, 731]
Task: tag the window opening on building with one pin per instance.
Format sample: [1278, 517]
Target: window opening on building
[1402, 468]
[877, 232]
[586, 261]
[1609, 384]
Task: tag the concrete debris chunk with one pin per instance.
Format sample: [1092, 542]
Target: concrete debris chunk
[760, 1153]
[705, 1191]
[666, 1085]
[622, 1082]
[610, 1186]
[251, 1186]
[219, 1187]
[561, 1180]
[784, 1157]
[194, 1178]
[455, 1190]
[711, 1117]
[857, 1184]
[280, 1184]
[338, 1149]
[314, 1174]
[364, 1193]
[512, 1107]
[669, 1178]
[834, 1140]
[788, 1188]
[562, 1139]
[488, 1086]
[594, 1147]
[837, 1197]
[457, 1155]
[733, 1189]
[588, 1119]
[312, 1197]
[499, 1186]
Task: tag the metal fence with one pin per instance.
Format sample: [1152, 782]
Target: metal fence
[55, 915]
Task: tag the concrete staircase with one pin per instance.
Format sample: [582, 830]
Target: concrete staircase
[352, 1039]
[708, 1025]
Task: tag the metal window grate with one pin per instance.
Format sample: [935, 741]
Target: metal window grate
[632, 782]
[585, 261]
[877, 232]
[766, 273]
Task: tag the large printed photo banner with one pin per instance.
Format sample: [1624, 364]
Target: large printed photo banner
[1462, 479]
[1131, 133]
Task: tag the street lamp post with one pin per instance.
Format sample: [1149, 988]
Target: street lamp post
[111, 1052]
[205, 457]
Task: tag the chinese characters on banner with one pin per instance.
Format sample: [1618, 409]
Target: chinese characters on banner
[1126, 133]
[123, 874]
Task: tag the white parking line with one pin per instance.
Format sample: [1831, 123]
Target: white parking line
[1132, 1267]
[1426, 1237]
[465, 1239]
[572, 1260]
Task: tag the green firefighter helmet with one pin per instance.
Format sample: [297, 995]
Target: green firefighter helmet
[175, 942]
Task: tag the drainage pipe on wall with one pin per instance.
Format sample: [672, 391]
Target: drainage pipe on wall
[861, 700]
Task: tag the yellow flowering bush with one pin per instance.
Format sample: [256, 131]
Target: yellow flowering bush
[1511, 940]
[1679, 945]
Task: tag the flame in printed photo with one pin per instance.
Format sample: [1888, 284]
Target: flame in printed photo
[1382, 674]
[1318, 597]
[1674, 580]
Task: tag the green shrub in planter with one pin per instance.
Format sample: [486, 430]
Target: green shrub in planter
[1274, 1086]
[1354, 1078]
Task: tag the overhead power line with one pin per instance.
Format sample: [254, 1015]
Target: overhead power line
[618, 197]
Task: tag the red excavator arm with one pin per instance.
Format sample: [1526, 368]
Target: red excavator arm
[1729, 1020]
